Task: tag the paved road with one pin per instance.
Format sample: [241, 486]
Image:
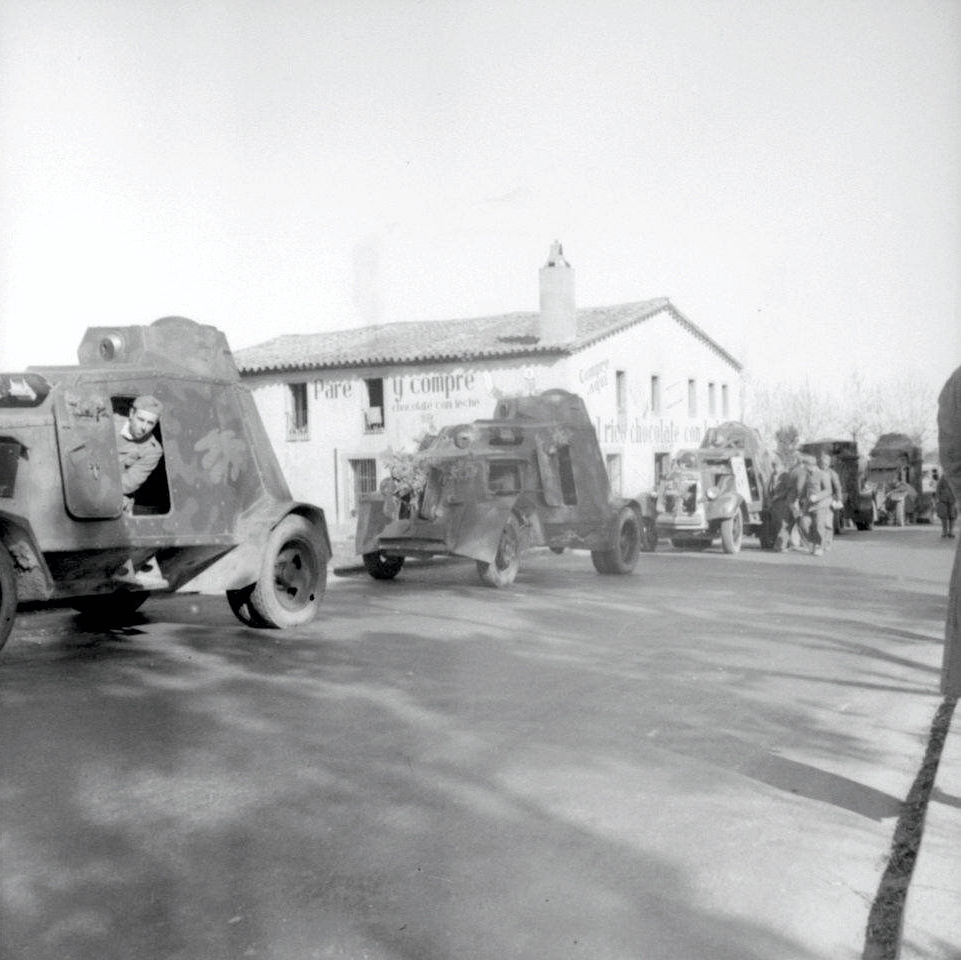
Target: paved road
[703, 760]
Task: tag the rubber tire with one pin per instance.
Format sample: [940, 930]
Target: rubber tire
[293, 578]
[732, 533]
[503, 570]
[239, 601]
[382, 567]
[627, 546]
[111, 608]
[648, 535]
[8, 595]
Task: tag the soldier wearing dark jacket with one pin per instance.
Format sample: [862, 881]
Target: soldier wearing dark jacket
[947, 506]
[784, 508]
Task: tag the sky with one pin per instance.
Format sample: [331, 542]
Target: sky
[788, 174]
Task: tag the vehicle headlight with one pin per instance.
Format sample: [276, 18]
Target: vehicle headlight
[712, 493]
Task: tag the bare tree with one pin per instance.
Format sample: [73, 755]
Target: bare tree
[909, 405]
[863, 412]
[857, 410]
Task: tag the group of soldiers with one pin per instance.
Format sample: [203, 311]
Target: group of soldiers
[803, 501]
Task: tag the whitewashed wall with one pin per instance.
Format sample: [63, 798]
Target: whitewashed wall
[418, 400]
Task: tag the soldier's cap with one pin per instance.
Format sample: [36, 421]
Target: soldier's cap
[148, 404]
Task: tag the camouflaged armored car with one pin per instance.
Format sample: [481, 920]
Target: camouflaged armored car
[217, 503]
[531, 476]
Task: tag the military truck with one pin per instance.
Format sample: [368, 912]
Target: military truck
[533, 475]
[720, 490]
[892, 478]
[858, 504]
[925, 507]
[217, 504]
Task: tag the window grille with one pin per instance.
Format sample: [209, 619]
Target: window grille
[364, 473]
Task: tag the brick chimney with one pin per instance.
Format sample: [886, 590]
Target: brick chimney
[558, 320]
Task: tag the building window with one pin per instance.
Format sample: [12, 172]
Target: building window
[364, 474]
[620, 393]
[662, 466]
[711, 399]
[374, 413]
[692, 398]
[297, 426]
[614, 472]
[725, 409]
[655, 395]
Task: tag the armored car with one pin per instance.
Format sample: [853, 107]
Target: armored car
[217, 503]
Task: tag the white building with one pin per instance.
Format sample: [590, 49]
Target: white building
[334, 404]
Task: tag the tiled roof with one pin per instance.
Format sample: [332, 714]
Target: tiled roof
[435, 341]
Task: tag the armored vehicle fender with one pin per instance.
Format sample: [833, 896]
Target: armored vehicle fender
[216, 506]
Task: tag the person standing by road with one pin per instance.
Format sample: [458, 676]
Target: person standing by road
[837, 497]
[946, 506]
[797, 480]
[819, 520]
[784, 508]
[949, 443]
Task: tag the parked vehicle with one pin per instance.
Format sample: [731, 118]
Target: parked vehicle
[858, 504]
[533, 475]
[217, 503]
[925, 506]
[892, 477]
[721, 490]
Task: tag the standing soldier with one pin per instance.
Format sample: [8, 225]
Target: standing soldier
[819, 520]
[947, 506]
[837, 496]
[784, 503]
[798, 478]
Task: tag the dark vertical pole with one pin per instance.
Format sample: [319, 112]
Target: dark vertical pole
[336, 490]
[949, 443]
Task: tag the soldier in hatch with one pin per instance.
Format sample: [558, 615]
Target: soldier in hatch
[139, 450]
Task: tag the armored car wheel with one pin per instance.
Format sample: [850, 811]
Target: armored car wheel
[732, 532]
[503, 570]
[382, 567]
[242, 608]
[8, 595]
[622, 558]
[292, 579]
